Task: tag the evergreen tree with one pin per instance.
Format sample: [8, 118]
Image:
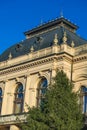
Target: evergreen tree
[60, 109]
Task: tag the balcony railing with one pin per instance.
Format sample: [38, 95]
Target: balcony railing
[12, 119]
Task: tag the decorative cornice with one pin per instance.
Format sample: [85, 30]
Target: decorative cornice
[42, 32]
[79, 59]
[65, 57]
[50, 59]
[25, 66]
[51, 24]
[33, 64]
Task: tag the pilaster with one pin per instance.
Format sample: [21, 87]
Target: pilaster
[5, 103]
[26, 99]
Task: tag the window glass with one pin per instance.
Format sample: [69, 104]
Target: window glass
[42, 87]
[18, 103]
[84, 99]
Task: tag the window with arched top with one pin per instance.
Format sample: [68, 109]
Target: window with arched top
[84, 99]
[0, 99]
[18, 102]
[41, 91]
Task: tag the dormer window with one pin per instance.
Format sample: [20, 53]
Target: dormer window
[18, 47]
[39, 39]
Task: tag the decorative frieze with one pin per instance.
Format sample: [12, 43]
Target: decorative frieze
[33, 64]
[25, 66]
[79, 58]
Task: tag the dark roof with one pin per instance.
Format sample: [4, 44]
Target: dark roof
[51, 24]
[42, 40]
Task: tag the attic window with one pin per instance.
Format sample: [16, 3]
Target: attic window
[39, 39]
[18, 47]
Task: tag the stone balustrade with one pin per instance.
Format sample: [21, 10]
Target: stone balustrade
[44, 52]
[37, 54]
[12, 119]
[81, 49]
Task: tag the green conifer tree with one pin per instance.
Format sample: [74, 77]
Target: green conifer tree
[60, 110]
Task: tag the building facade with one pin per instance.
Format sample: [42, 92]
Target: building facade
[29, 66]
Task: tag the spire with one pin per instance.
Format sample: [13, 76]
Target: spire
[41, 22]
[61, 13]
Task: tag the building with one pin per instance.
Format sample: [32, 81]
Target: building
[30, 65]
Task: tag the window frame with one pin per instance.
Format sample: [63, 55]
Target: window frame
[83, 99]
[18, 100]
[1, 98]
[40, 95]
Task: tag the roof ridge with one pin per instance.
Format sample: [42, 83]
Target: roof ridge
[51, 23]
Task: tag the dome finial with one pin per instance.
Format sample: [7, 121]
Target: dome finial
[61, 13]
[41, 22]
[31, 49]
[64, 37]
[72, 44]
[55, 39]
[10, 56]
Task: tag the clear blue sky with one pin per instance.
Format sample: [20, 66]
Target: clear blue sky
[18, 16]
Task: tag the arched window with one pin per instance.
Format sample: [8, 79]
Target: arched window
[84, 99]
[0, 99]
[18, 102]
[41, 91]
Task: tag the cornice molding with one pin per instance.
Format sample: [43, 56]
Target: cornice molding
[79, 59]
[25, 66]
[28, 65]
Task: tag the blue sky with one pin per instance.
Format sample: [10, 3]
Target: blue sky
[18, 16]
